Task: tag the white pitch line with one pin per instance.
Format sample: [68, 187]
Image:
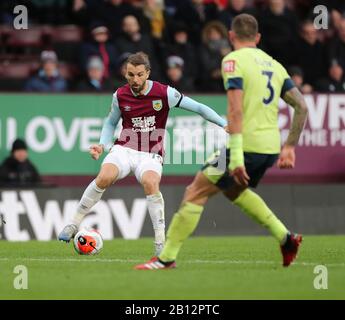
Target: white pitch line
[246, 262]
[70, 260]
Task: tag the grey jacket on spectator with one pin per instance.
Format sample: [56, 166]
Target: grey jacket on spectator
[42, 83]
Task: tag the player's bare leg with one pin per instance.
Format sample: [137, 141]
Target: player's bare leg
[183, 223]
[155, 203]
[107, 175]
[255, 207]
[92, 194]
[200, 190]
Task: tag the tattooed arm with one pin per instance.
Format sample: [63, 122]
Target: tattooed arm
[294, 98]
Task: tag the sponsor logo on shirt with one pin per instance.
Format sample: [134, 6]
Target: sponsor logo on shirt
[229, 66]
[144, 124]
[127, 108]
[157, 105]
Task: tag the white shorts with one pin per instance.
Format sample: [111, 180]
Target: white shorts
[129, 160]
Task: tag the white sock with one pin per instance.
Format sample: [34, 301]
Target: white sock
[155, 203]
[91, 196]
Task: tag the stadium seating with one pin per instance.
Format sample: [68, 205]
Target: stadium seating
[67, 33]
[65, 40]
[20, 52]
[18, 70]
[24, 38]
[68, 70]
[13, 75]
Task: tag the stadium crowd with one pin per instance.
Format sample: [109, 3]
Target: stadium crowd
[81, 45]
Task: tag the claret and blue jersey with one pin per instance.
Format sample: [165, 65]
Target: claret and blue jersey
[144, 117]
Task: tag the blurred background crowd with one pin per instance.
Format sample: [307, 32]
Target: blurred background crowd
[81, 45]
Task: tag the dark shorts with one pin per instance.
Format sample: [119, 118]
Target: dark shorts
[216, 167]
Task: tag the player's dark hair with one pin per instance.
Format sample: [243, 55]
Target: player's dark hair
[245, 27]
[139, 58]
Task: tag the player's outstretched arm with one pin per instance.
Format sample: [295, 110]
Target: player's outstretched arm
[206, 112]
[294, 98]
[109, 127]
[108, 130]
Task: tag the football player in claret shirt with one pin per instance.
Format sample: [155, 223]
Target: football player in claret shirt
[143, 105]
[254, 82]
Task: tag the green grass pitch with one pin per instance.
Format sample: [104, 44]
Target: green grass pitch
[208, 268]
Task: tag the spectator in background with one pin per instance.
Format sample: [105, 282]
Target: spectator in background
[215, 46]
[180, 46]
[117, 9]
[51, 12]
[95, 82]
[337, 45]
[48, 78]
[110, 13]
[297, 77]
[100, 46]
[17, 170]
[311, 53]
[232, 9]
[120, 74]
[335, 82]
[82, 11]
[154, 11]
[150, 15]
[195, 14]
[153, 21]
[133, 40]
[279, 32]
[175, 75]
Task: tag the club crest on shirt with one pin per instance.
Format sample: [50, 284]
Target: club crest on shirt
[157, 105]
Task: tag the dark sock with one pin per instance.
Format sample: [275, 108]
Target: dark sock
[288, 242]
[166, 263]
